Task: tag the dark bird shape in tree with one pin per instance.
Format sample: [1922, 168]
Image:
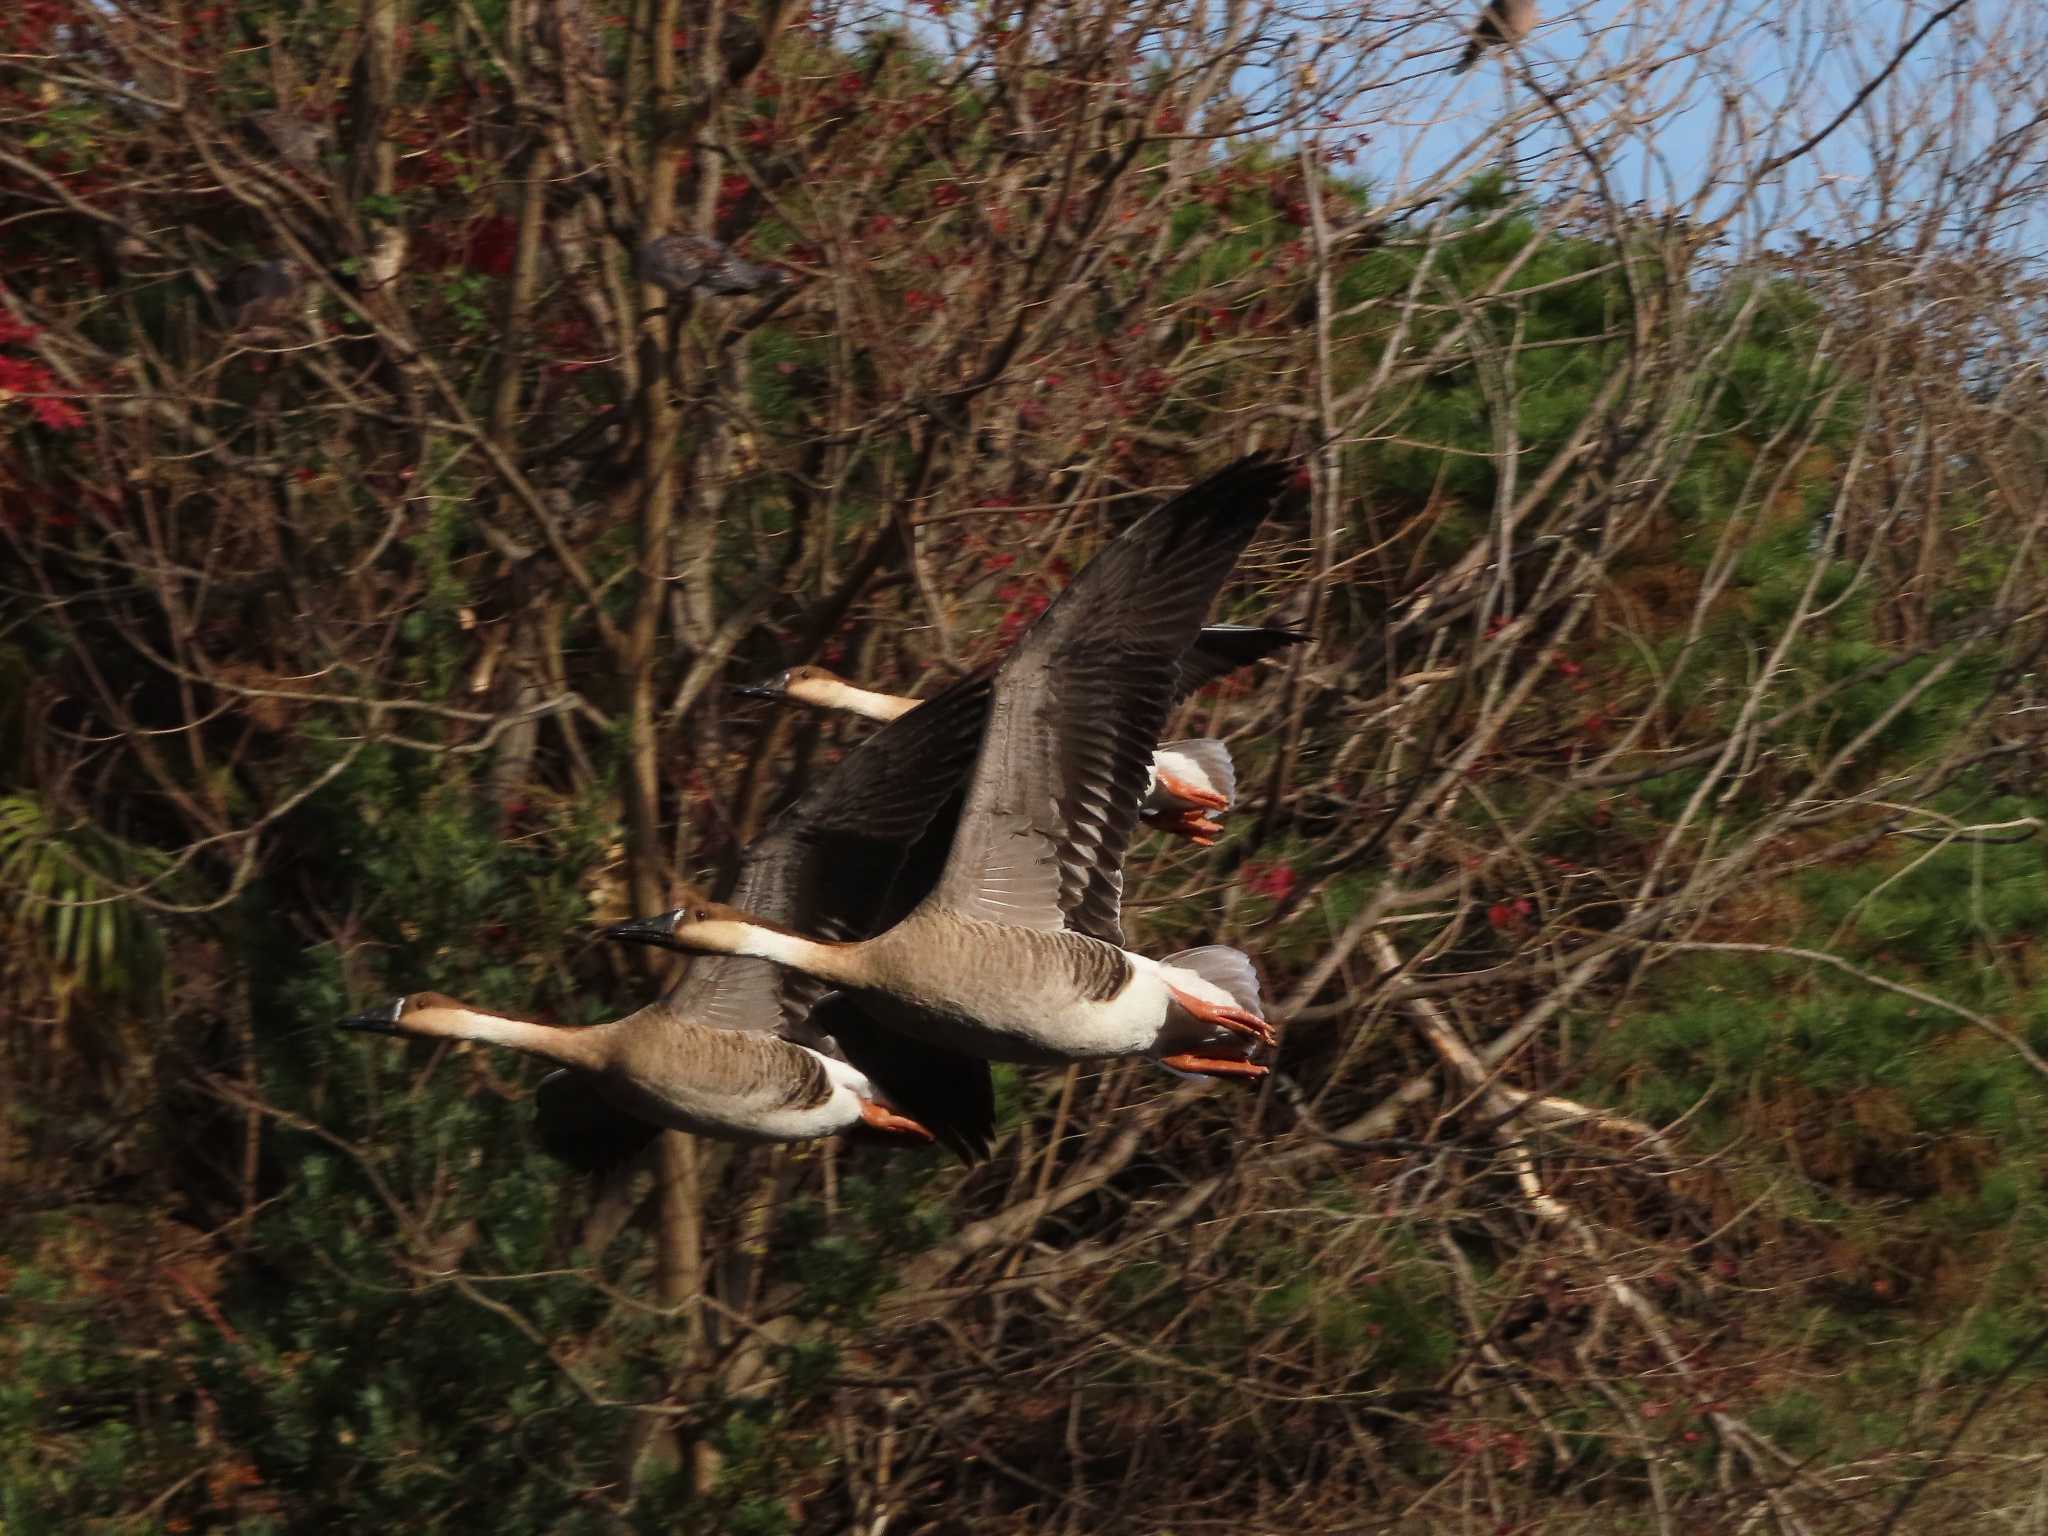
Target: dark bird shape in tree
[1502, 23]
[677, 263]
[297, 142]
[261, 295]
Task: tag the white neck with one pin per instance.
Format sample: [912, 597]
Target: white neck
[831, 962]
[835, 693]
[571, 1047]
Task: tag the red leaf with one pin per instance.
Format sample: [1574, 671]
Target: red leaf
[19, 376]
[1510, 916]
[1275, 880]
[491, 245]
[58, 415]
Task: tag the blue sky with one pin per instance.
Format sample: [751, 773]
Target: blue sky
[1680, 100]
[1686, 99]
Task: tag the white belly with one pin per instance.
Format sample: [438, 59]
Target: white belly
[1126, 1025]
[827, 1119]
[725, 1117]
[1050, 1028]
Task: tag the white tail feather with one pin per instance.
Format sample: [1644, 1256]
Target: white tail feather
[1224, 968]
[1203, 761]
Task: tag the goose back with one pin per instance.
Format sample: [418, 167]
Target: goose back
[1002, 992]
[657, 1068]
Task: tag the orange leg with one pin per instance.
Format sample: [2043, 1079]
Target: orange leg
[888, 1120]
[1181, 789]
[1226, 1016]
[1212, 1066]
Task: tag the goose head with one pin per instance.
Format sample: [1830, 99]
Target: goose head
[392, 1018]
[707, 926]
[798, 683]
[826, 690]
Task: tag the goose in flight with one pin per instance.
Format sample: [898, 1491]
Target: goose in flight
[740, 1049]
[1017, 952]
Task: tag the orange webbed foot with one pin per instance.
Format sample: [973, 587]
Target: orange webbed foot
[1228, 1016]
[1193, 794]
[883, 1118]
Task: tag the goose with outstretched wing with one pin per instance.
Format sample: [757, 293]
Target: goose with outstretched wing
[1017, 953]
[736, 1050]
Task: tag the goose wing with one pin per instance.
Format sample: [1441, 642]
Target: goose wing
[1221, 649]
[828, 864]
[950, 1095]
[1078, 707]
[579, 1127]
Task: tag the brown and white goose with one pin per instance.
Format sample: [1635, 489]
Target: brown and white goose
[1188, 781]
[661, 1069]
[736, 1051]
[1017, 953]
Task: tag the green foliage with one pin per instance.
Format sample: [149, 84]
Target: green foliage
[1992, 1340]
[70, 1365]
[1794, 1420]
[1915, 1133]
[376, 1399]
[1926, 908]
[1772, 381]
[1368, 1301]
[1573, 293]
[73, 895]
[843, 1274]
[373, 1391]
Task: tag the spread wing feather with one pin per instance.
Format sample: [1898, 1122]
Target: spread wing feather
[1081, 701]
[1221, 649]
